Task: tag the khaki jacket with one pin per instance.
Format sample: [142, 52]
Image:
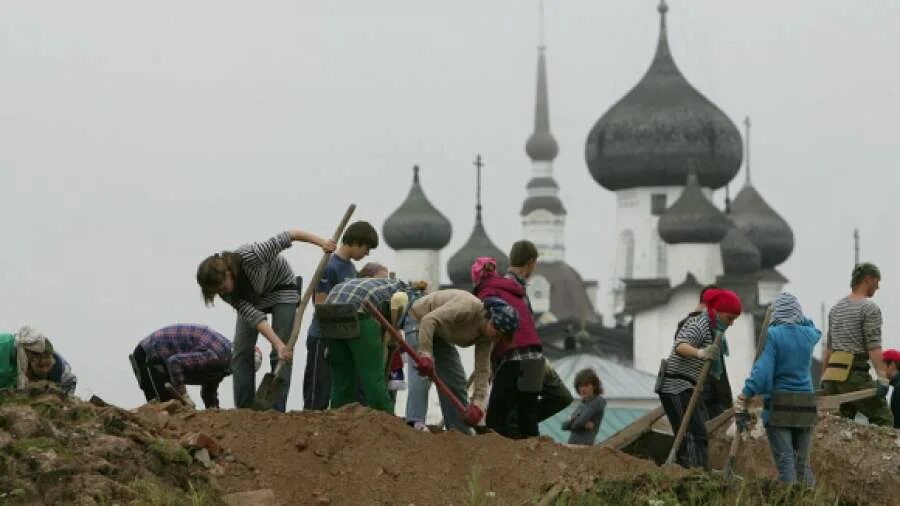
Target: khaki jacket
[457, 317]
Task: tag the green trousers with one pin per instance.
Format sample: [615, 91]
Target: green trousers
[359, 359]
[874, 408]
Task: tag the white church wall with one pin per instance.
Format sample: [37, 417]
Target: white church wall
[641, 259]
[768, 290]
[742, 351]
[418, 264]
[547, 231]
[654, 330]
[538, 290]
[704, 261]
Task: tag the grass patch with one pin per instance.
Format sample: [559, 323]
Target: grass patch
[170, 453]
[22, 446]
[476, 495]
[657, 489]
[149, 492]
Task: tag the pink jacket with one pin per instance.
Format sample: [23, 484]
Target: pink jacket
[512, 293]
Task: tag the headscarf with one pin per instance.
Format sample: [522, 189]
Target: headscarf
[503, 316]
[29, 339]
[786, 310]
[719, 300]
[480, 269]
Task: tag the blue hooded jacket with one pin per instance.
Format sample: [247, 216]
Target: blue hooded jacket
[785, 362]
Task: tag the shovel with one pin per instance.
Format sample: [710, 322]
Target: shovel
[272, 383]
[736, 440]
[412, 353]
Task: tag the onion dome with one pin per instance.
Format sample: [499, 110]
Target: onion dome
[739, 255]
[768, 231]
[659, 129]
[416, 224]
[459, 267]
[541, 146]
[693, 218]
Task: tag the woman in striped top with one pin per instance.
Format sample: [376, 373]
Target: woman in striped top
[694, 345]
[255, 279]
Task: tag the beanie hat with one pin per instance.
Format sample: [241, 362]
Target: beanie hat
[503, 316]
[721, 301]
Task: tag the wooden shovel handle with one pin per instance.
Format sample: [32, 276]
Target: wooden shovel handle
[438, 382]
[313, 283]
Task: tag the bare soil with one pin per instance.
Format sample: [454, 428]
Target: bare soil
[355, 455]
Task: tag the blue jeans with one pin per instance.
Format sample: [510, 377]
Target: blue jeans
[790, 450]
[243, 374]
[449, 368]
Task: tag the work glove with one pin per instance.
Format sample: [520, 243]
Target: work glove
[882, 387]
[425, 366]
[741, 416]
[711, 352]
[473, 415]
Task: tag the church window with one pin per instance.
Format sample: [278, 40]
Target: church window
[658, 204]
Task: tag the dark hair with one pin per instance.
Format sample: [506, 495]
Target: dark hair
[522, 252]
[589, 377]
[705, 289]
[360, 233]
[863, 271]
[211, 273]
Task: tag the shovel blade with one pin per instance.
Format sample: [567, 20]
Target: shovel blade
[268, 392]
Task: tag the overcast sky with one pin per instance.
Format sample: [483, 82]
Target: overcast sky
[138, 137]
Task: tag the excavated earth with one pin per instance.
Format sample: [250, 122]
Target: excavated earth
[59, 450]
[355, 455]
[860, 463]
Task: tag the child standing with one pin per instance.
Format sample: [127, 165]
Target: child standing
[587, 417]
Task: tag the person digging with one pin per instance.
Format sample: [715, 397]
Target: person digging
[27, 355]
[448, 319]
[183, 354]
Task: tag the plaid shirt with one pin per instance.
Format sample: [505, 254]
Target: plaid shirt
[374, 290]
[191, 353]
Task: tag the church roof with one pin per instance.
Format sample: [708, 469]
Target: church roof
[660, 129]
[416, 224]
[568, 297]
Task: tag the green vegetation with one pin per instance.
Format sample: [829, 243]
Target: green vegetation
[657, 489]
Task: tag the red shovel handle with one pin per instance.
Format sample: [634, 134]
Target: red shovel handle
[412, 353]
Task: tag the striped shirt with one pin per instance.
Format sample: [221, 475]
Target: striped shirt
[270, 276]
[682, 372]
[190, 352]
[374, 290]
[854, 325]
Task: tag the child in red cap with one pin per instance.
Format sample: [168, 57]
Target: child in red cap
[891, 359]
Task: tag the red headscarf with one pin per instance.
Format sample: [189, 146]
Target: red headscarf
[721, 301]
[483, 267]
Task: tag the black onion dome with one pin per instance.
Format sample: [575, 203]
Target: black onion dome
[663, 126]
[739, 255]
[416, 224]
[693, 218]
[768, 231]
[459, 267]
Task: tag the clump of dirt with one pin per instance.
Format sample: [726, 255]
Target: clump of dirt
[860, 463]
[56, 449]
[355, 455]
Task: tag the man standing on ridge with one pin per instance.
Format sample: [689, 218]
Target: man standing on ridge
[854, 345]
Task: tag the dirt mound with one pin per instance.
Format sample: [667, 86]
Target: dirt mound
[857, 462]
[56, 449]
[355, 454]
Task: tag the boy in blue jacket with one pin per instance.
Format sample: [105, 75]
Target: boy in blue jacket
[782, 376]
